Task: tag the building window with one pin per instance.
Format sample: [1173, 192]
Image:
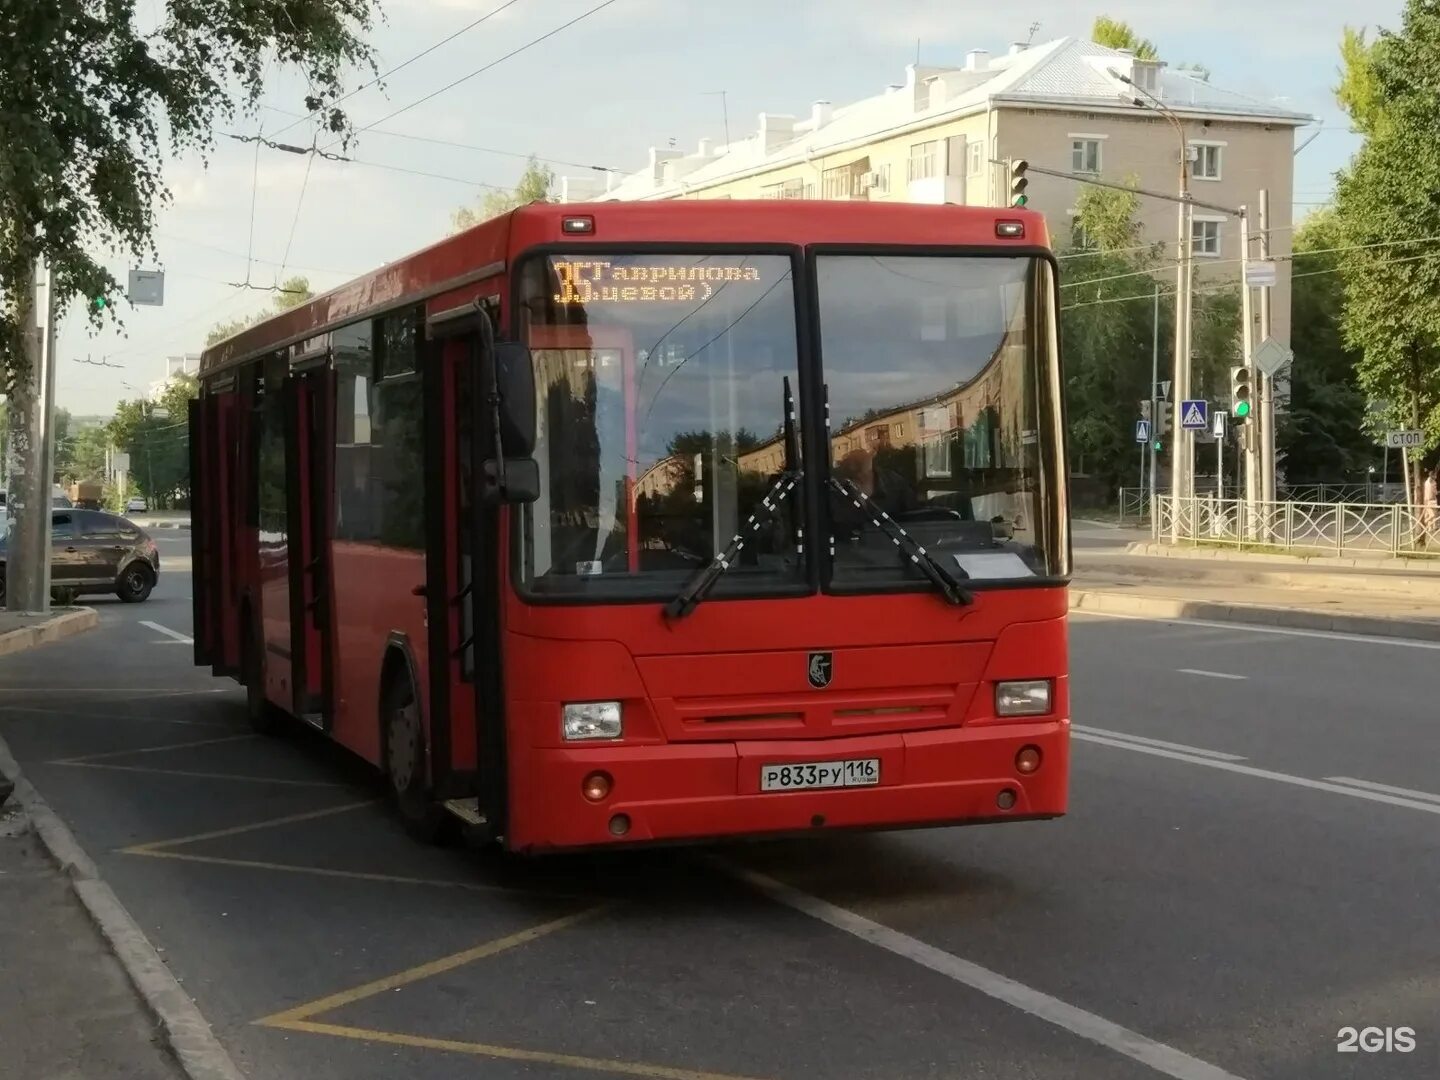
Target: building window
[1085, 155]
[877, 181]
[1205, 238]
[1207, 162]
[786, 189]
[975, 150]
[835, 183]
[924, 160]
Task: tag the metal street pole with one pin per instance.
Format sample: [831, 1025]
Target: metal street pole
[1265, 384]
[31, 410]
[1246, 428]
[1154, 411]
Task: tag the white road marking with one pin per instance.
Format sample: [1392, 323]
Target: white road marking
[1268, 774]
[1250, 628]
[1158, 1056]
[1371, 785]
[174, 635]
[1211, 674]
[1081, 731]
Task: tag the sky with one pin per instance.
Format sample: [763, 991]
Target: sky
[635, 74]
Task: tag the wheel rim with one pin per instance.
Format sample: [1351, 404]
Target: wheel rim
[404, 746]
[135, 581]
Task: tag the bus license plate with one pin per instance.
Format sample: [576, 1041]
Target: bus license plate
[857, 772]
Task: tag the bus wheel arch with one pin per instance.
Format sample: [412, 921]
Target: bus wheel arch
[404, 748]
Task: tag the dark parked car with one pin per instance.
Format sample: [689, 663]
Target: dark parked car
[95, 552]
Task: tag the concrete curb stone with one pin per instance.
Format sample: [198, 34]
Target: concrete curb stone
[72, 622]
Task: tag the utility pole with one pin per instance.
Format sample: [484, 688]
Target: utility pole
[31, 415]
[1265, 383]
[1246, 429]
[1154, 408]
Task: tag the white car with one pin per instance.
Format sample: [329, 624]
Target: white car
[136, 506]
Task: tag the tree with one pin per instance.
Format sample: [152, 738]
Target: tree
[1391, 316]
[86, 95]
[87, 457]
[292, 292]
[1322, 434]
[157, 441]
[1115, 34]
[536, 184]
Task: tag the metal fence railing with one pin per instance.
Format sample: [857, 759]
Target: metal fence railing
[1338, 528]
[1134, 502]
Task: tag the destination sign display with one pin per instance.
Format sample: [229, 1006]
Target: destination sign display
[592, 281]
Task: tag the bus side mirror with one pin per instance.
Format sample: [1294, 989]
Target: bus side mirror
[515, 379]
[521, 481]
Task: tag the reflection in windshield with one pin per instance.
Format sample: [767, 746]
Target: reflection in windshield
[657, 377]
[940, 413]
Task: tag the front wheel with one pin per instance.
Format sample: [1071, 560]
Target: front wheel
[406, 772]
[135, 583]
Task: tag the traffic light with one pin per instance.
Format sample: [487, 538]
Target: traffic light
[1018, 183]
[1242, 393]
[1165, 420]
[100, 303]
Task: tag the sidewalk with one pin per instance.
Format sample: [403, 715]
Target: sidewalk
[1384, 603]
[67, 1009]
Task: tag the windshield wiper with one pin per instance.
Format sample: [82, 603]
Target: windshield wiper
[699, 585]
[936, 571]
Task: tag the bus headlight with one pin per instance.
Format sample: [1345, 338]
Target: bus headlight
[1030, 697]
[591, 720]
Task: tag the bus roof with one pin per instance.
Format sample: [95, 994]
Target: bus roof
[484, 251]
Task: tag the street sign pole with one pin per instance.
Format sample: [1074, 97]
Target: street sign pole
[1247, 358]
[1154, 410]
[1267, 380]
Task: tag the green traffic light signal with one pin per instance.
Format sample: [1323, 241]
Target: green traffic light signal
[1021, 200]
[1242, 409]
[100, 303]
[1159, 445]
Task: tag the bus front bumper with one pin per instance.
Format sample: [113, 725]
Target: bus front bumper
[696, 791]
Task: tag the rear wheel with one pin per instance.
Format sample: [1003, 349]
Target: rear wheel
[135, 584]
[406, 771]
[263, 716]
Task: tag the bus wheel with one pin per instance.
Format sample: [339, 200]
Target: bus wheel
[405, 757]
[264, 717]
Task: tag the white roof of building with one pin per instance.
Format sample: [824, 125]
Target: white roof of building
[1065, 73]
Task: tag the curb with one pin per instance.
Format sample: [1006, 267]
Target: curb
[1149, 548]
[200, 1054]
[1102, 602]
[62, 626]
[1165, 566]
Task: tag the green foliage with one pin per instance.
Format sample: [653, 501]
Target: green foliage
[1115, 34]
[155, 435]
[1391, 316]
[293, 292]
[92, 102]
[536, 184]
[1108, 332]
[1321, 435]
[1357, 93]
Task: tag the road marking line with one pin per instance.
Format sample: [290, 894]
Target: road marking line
[1080, 731]
[1158, 1056]
[1267, 774]
[1252, 628]
[424, 971]
[505, 1053]
[352, 875]
[137, 692]
[153, 846]
[175, 634]
[1371, 785]
[1211, 674]
[153, 749]
[198, 775]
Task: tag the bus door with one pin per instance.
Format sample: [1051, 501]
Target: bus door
[311, 406]
[205, 505]
[463, 576]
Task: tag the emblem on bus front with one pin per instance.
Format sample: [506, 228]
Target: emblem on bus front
[822, 666]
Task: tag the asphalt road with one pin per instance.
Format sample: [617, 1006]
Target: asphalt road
[1221, 902]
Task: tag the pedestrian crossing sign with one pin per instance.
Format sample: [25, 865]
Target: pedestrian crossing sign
[1142, 431]
[1194, 415]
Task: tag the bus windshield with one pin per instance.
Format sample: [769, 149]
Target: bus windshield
[657, 379]
[945, 415]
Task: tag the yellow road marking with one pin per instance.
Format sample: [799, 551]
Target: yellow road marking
[506, 1053]
[154, 749]
[425, 971]
[199, 775]
[154, 846]
[357, 875]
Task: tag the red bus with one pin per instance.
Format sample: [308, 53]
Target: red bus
[630, 522]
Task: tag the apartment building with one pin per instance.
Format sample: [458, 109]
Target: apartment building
[1069, 105]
